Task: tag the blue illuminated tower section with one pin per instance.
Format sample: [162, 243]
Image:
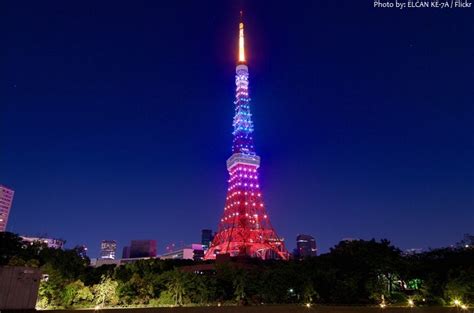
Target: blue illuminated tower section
[245, 229]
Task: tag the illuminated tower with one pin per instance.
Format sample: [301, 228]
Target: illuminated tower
[245, 228]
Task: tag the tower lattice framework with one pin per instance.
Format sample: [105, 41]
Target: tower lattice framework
[245, 227]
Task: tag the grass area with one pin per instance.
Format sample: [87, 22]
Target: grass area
[278, 309]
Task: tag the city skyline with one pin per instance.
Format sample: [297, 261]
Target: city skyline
[115, 127]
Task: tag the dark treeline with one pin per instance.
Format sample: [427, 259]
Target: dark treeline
[353, 272]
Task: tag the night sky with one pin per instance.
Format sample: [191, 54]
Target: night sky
[116, 119]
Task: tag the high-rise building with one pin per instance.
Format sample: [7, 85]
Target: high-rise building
[143, 249]
[6, 200]
[81, 251]
[206, 238]
[49, 242]
[107, 249]
[306, 246]
[126, 252]
[245, 229]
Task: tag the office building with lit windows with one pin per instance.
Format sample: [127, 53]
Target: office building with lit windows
[305, 246]
[108, 249]
[6, 200]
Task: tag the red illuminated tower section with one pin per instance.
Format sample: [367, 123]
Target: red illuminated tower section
[245, 229]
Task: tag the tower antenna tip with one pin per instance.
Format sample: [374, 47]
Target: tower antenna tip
[241, 40]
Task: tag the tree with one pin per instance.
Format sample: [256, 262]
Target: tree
[443, 273]
[224, 278]
[10, 246]
[136, 290]
[83, 296]
[105, 293]
[309, 294]
[364, 270]
[76, 294]
[176, 282]
[202, 289]
[239, 283]
[69, 293]
[461, 287]
[50, 292]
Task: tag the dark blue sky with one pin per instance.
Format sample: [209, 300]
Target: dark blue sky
[116, 117]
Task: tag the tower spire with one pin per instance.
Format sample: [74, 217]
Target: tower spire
[241, 40]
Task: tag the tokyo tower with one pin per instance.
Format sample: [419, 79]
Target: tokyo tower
[245, 229]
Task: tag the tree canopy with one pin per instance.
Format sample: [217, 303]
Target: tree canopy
[353, 272]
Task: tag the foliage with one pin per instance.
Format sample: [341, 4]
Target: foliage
[460, 286]
[309, 294]
[76, 294]
[137, 290]
[165, 299]
[239, 283]
[353, 272]
[177, 283]
[105, 293]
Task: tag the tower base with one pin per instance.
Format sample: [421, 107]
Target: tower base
[257, 246]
